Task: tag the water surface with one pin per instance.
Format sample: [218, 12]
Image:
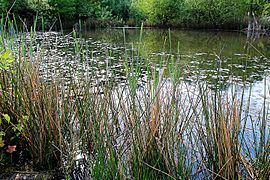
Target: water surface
[223, 60]
[204, 53]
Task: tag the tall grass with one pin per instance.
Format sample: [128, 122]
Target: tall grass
[169, 129]
[218, 136]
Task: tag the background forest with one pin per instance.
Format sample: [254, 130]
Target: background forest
[230, 14]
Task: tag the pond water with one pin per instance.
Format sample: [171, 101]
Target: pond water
[209, 56]
[221, 59]
[202, 52]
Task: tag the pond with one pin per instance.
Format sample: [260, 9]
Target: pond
[220, 59]
[202, 51]
[205, 55]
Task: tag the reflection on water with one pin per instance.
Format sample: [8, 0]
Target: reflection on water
[190, 42]
[217, 58]
[214, 57]
[210, 56]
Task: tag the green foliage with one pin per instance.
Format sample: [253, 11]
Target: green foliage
[16, 127]
[166, 11]
[93, 9]
[65, 8]
[139, 11]
[6, 60]
[145, 6]
[11, 126]
[120, 8]
[215, 12]
[209, 13]
[40, 6]
[257, 6]
[266, 9]
[87, 8]
[21, 7]
[10, 130]
[3, 6]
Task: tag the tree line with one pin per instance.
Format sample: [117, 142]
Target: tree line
[208, 13]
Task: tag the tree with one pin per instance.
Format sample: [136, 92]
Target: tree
[20, 7]
[65, 8]
[120, 8]
[165, 11]
[41, 7]
[266, 9]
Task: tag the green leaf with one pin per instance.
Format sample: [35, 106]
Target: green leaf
[25, 118]
[2, 134]
[18, 134]
[7, 117]
[19, 127]
[6, 60]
